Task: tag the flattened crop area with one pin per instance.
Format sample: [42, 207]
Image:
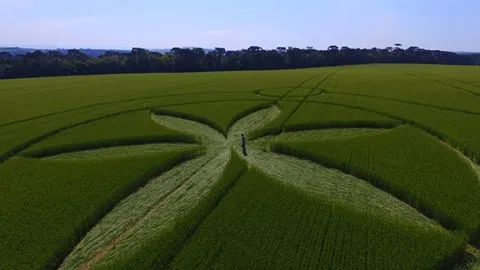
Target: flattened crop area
[361, 167]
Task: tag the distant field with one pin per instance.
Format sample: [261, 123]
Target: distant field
[357, 167]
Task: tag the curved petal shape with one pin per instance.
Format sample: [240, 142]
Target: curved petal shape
[148, 212]
[199, 130]
[335, 185]
[252, 122]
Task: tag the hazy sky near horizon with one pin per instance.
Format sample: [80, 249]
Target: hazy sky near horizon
[439, 24]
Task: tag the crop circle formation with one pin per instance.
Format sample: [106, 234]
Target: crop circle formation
[356, 167]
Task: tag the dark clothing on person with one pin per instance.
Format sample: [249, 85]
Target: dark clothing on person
[244, 145]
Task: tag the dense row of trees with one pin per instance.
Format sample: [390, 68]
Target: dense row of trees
[74, 62]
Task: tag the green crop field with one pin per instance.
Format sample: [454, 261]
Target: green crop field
[355, 167]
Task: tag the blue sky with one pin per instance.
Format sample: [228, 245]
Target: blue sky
[440, 24]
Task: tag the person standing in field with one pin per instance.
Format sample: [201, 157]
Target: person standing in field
[244, 145]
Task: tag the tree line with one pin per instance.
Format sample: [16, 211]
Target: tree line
[138, 60]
